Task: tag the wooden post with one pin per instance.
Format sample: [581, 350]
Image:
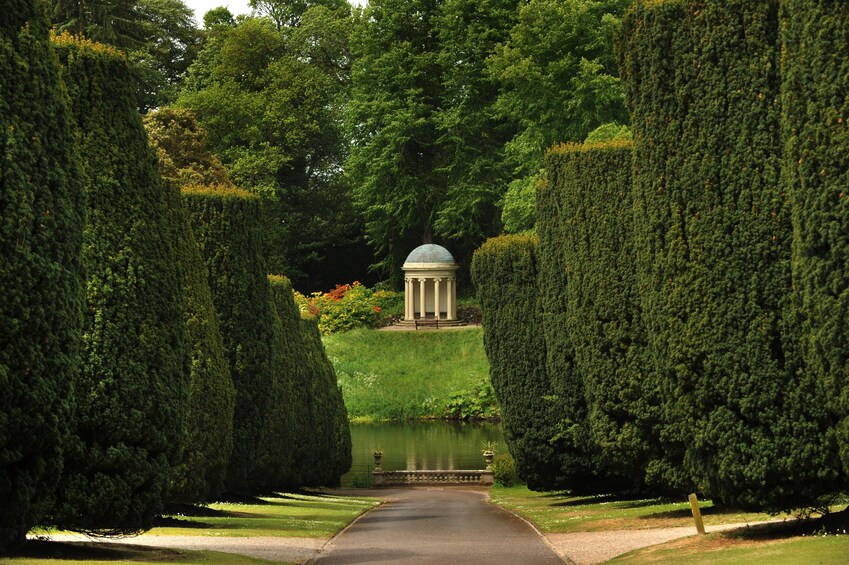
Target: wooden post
[697, 514]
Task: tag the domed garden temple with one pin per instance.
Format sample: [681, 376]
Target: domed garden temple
[430, 285]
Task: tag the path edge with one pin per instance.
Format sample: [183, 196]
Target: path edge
[331, 539]
[566, 559]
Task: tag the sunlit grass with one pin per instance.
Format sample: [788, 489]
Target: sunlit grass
[396, 375]
[562, 512]
[287, 515]
[89, 553]
[725, 549]
[283, 515]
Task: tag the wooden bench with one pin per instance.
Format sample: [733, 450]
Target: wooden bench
[427, 323]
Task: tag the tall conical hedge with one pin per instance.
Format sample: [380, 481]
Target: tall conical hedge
[208, 442]
[131, 395]
[305, 438]
[282, 433]
[226, 224]
[504, 270]
[584, 221]
[41, 220]
[713, 253]
[815, 71]
[332, 457]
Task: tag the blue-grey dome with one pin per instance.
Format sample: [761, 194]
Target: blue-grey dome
[430, 253]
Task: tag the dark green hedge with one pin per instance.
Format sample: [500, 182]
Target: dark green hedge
[208, 441]
[132, 394]
[282, 438]
[584, 220]
[226, 225]
[332, 459]
[815, 74]
[504, 270]
[713, 240]
[307, 440]
[41, 221]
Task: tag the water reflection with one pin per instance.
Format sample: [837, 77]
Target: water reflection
[424, 445]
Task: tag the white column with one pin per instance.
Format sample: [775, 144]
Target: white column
[422, 297]
[436, 298]
[452, 290]
[408, 298]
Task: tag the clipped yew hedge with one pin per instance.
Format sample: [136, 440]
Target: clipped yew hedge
[283, 437]
[325, 464]
[306, 440]
[225, 221]
[713, 238]
[815, 74]
[132, 393]
[504, 270]
[587, 274]
[208, 441]
[40, 241]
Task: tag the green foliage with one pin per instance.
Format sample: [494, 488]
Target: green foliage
[158, 36]
[290, 13]
[41, 198]
[116, 23]
[504, 470]
[270, 100]
[584, 220]
[398, 375]
[609, 132]
[504, 270]
[132, 394]
[816, 115]
[348, 306]
[169, 44]
[519, 207]
[427, 154]
[558, 77]
[208, 440]
[226, 224]
[479, 403]
[713, 237]
[181, 148]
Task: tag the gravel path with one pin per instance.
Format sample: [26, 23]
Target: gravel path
[290, 550]
[589, 548]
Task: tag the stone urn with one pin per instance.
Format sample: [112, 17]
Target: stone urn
[488, 456]
[378, 458]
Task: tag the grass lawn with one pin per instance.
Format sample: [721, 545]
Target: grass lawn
[286, 515]
[90, 553]
[789, 542]
[397, 375]
[563, 513]
[724, 549]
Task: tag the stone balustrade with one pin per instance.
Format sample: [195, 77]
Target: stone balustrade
[480, 477]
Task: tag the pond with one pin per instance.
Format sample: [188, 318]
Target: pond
[420, 445]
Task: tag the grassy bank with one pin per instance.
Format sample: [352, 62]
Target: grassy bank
[782, 541]
[396, 375]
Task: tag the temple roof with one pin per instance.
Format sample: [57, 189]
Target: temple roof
[430, 253]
